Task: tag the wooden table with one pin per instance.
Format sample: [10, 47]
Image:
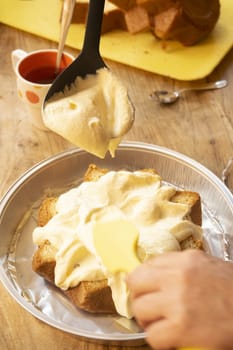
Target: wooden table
[199, 125]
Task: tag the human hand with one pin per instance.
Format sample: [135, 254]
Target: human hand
[184, 299]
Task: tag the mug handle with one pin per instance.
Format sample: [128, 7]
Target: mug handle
[16, 56]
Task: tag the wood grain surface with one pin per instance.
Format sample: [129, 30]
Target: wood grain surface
[199, 125]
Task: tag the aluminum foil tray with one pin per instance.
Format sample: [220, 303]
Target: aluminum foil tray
[18, 210]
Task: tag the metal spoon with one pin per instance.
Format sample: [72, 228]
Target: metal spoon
[167, 97]
[89, 59]
[67, 12]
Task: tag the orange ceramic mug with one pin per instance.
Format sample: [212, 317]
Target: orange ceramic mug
[35, 72]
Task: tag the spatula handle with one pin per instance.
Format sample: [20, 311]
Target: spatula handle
[93, 27]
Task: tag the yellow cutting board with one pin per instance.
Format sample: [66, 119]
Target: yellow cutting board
[144, 51]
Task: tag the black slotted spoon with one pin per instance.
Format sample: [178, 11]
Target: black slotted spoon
[89, 59]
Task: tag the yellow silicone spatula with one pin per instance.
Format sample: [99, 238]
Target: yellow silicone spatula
[115, 242]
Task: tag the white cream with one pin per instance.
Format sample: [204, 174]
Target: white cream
[137, 196]
[94, 113]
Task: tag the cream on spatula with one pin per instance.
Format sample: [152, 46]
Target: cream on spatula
[115, 243]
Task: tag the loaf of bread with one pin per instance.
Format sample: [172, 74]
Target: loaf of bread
[95, 296]
[113, 16]
[186, 21]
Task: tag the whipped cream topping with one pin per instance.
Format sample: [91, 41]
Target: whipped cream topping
[94, 113]
[139, 197]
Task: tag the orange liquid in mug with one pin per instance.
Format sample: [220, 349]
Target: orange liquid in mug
[42, 75]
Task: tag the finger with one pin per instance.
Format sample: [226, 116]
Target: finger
[148, 278]
[142, 280]
[160, 266]
[162, 334]
[151, 307]
[164, 259]
[146, 309]
[174, 259]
